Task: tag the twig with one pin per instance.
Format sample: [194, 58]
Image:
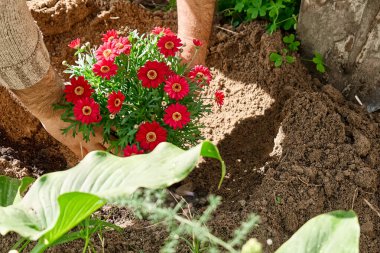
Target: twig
[372, 207]
[354, 197]
[359, 101]
[227, 30]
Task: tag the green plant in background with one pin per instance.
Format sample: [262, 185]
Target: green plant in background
[278, 59]
[319, 63]
[291, 43]
[280, 13]
[59, 201]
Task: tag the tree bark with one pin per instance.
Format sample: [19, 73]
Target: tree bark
[347, 34]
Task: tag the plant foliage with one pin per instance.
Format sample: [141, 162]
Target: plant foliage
[59, 201]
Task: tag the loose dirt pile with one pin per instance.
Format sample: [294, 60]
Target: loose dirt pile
[294, 148]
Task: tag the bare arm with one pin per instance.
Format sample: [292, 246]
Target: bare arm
[195, 21]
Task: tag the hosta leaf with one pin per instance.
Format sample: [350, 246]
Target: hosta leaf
[336, 232]
[12, 188]
[58, 201]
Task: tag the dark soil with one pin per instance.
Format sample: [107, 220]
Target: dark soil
[294, 147]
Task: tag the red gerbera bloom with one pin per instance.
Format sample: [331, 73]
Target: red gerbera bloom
[78, 89]
[153, 73]
[105, 69]
[122, 45]
[132, 150]
[164, 30]
[107, 51]
[177, 87]
[150, 135]
[115, 101]
[110, 35]
[75, 43]
[197, 43]
[169, 45]
[219, 98]
[86, 110]
[200, 73]
[176, 116]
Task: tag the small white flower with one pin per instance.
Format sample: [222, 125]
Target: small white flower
[163, 103]
[136, 126]
[112, 116]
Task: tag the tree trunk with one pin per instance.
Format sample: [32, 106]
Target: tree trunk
[347, 34]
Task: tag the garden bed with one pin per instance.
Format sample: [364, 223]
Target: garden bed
[294, 148]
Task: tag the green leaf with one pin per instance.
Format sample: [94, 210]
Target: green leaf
[57, 201]
[320, 68]
[288, 39]
[336, 232]
[278, 63]
[290, 59]
[252, 13]
[8, 190]
[239, 6]
[274, 57]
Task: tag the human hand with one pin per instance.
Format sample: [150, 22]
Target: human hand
[39, 99]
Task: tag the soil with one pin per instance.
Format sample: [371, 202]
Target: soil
[293, 146]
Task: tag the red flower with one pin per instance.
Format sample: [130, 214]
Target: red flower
[162, 30]
[132, 150]
[200, 73]
[169, 45]
[75, 43]
[123, 45]
[110, 35]
[86, 110]
[153, 73]
[176, 116]
[107, 51]
[105, 69]
[219, 98]
[150, 135]
[197, 43]
[177, 87]
[78, 89]
[115, 101]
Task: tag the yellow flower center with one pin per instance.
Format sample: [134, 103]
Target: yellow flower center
[200, 75]
[169, 45]
[86, 110]
[152, 74]
[177, 116]
[107, 53]
[111, 38]
[120, 45]
[79, 90]
[176, 87]
[104, 69]
[151, 137]
[117, 102]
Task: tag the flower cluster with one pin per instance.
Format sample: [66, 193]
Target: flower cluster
[138, 90]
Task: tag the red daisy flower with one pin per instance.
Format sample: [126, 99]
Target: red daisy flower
[132, 150]
[197, 43]
[75, 43]
[78, 89]
[105, 69]
[176, 116]
[110, 35]
[219, 98]
[164, 30]
[107, 51]
[150, 135]
[177, 87]
[86, 110]
[169, 45]
[200, 73]
[153, 73]
[122, 45]
[115, 101]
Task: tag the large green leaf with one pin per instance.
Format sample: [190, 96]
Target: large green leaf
[47, 211]
[334, 232]
[12, 188]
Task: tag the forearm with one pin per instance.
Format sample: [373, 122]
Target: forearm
[195, 21]
[24, 59]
